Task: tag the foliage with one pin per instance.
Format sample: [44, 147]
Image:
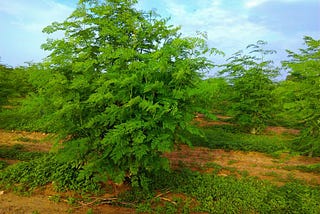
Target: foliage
[300, 94]
[3, 164]
[314, 168]
[217, 194]
[34, 112]
[26, 176]
[14, 88]
[250, 76]
[5, 86]
[16, 152]
[215, 90]
[15, 119]
[230, 138]
[120, 88]
[13, 83]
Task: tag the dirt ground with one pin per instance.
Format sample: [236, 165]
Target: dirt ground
[232, 162]
[260, 165]
[14, 204]
[32, 141]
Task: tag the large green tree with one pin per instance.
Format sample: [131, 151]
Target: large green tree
[301, 94]
[122, 87]
[250, 76]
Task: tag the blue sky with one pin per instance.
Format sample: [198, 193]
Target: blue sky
[230, 24]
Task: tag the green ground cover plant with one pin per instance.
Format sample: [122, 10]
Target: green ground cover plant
[315, 168]
[230, 138]
[17, 152]
[24, 177]
[3, 164]
[190, 191]
[215, 194]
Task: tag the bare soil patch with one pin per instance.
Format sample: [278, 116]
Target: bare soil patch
[201, 121]
[281, 130]
[32, 141]
[40, 203]
[251, 163]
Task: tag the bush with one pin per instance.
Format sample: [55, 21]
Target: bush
[41, 171]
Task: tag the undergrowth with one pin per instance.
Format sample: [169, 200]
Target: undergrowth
[179, 191]
[20, 118]
[195, 192]
[230, 138]
[17, 152]
[3, 164]
[314, 168]
[24, 177]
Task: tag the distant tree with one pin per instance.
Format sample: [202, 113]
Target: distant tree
[250, 96]
[13, 83]
[301, 94]
[216, 93]
[6, 89]
[122, 86]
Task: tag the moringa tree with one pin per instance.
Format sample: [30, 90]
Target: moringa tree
[13, 84]
[301, 93]
[250, 77]
[122, 85]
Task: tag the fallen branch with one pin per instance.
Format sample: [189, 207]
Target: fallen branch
[169, 200]
[161, 194]
[98, 200]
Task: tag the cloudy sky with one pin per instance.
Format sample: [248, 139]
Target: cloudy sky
[230, 24]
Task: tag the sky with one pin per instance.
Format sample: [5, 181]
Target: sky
[231, 25]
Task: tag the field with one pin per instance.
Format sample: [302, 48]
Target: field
[204, 179]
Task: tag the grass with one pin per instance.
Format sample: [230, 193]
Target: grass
[230, 162]
[3, 164]
[211, 193]
[37, 169]
[179, 191]
[17, 152]
[24, 177]
[314, 168]
[26, 139]
[272, 174]
[230, 138]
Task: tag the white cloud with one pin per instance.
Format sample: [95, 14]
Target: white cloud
[34, 15]
[21, 23]
[227, 30]
[254, 3]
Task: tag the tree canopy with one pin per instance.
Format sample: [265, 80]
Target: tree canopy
[121, 84]
[251, 84]
[301, 93]
[13, 83]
